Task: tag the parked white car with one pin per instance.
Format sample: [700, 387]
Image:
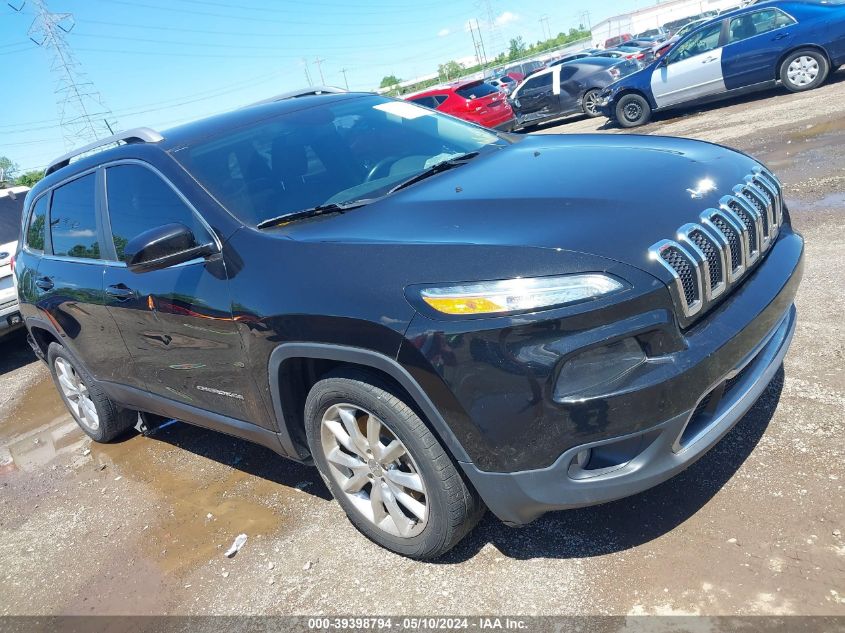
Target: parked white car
[11, 206]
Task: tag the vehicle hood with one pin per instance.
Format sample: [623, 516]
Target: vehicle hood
[607, 195]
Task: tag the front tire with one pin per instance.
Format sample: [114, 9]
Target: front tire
[100, 418]
[804, 70]
[632, 110]
[386, 469]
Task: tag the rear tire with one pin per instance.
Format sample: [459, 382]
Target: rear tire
[590, 103]
[632, 110]
[385, 468]
[100, 418]
[804, 69]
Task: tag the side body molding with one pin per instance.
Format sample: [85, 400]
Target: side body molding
[366, 358]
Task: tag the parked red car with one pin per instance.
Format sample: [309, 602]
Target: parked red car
[474, 101]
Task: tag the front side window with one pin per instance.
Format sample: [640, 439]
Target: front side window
[73, 219]
[757, 23]
[338, 151]
[700, 42]
[36, 229]
[138, 200]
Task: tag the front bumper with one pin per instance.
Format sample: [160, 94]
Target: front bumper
[659, 452]
[10, 317]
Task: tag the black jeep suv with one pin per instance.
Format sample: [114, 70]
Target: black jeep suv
[439, 317]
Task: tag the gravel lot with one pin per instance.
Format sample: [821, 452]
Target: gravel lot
[755, 527]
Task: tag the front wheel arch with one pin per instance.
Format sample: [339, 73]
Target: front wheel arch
[295, 367]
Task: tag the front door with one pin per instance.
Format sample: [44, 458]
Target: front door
[177, 322]
[692, 70]
[538, 96]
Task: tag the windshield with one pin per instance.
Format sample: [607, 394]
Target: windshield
[335, 152]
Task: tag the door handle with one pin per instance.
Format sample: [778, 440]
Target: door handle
[120, 292]
[707, 60]
[45, 283]
[780, 36]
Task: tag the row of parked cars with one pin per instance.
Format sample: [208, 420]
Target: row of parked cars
[794, 43]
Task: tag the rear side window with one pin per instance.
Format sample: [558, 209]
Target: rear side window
[138, 200]
[73, 220]
[541, 81]
[36, 229]
[757, 23]
[426, 102]
[475, 91]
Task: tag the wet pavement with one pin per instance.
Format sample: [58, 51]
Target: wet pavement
[755, 527]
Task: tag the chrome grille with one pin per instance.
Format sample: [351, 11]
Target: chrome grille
[712, 255]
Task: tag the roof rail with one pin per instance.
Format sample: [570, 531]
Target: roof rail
[302, 92]
[135, 135]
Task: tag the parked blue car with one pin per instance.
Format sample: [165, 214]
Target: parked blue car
[796, 43]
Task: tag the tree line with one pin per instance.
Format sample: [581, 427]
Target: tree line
[517, 49]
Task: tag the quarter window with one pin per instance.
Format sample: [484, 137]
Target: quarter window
[757, 23]
[73, 220]
[700, 42]
[35, 231]
[139, 201]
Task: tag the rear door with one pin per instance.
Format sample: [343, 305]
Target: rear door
[177, 322]
[692, 70]
[69, 282]
[755, 43]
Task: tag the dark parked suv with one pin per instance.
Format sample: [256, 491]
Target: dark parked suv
[441, 318]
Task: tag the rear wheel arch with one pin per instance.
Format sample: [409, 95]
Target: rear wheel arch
[295, 368]
[43, 336]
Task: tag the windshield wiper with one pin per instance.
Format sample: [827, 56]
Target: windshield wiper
[332, 207]
[437, 168]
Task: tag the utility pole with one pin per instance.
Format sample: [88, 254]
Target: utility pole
[585, 20]
[345, 80]
[481, 44]
[83, 113]
[307, 74]
[319, 61]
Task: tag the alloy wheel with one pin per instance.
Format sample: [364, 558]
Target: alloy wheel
[591, 103]
[76, 394]
[803, 70]
[374, 470]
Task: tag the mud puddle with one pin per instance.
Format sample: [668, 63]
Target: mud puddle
[199, 489]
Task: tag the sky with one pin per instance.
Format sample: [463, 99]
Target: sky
[159, 63]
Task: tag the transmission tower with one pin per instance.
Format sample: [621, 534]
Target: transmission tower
[494, 36]
[83, 114]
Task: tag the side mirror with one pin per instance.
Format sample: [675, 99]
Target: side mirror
[164, 246]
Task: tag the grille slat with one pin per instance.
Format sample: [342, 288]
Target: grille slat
[713, 256]
[685, 270]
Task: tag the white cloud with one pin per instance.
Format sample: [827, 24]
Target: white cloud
[443, 32]
[506, 18]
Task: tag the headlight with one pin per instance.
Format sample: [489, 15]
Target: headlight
[514, 295]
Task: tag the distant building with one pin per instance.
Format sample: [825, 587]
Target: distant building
[655, 16]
